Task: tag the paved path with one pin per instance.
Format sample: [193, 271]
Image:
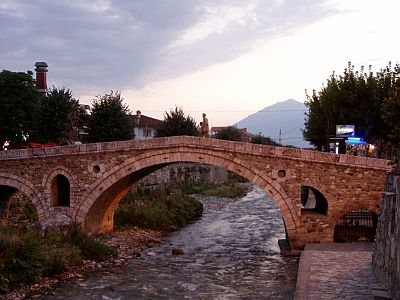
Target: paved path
[337, 271]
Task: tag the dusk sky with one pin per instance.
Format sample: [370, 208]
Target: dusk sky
[225, 58]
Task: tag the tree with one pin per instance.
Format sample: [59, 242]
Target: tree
[177, 123]
[19, 107]
[352, 98]
[391, 107]
[263, 140]
[229, 133]
[59, 118]
[109, 119]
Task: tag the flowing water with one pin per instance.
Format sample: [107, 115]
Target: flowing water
[230, 253]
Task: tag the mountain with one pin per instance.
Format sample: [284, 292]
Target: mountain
[286, 117]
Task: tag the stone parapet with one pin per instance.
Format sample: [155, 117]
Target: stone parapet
[196, 142]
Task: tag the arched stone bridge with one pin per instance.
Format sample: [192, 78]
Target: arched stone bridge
[84, 183]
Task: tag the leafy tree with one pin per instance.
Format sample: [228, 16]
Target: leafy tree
[19, 106]
[229, 133]
[352, 98]
[177, 123]
[390, 113]
[59, 118]
[263, 140]
[391, 107]
[109, 119]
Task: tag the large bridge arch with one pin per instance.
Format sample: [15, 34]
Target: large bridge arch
[13, 184]
[97, 206]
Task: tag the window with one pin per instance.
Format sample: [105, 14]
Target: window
[147, 133]
[60, 191]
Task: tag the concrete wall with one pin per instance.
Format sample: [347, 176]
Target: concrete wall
[386, 256]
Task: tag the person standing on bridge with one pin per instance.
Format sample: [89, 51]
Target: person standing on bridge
[204, 128]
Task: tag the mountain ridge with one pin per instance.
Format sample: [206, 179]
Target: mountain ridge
[282, 121]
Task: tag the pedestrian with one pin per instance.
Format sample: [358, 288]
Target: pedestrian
[204, 128]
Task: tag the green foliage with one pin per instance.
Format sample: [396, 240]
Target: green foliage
[19, 106]
[161, 213]
[109, 119]
[229, 133]
[27, 255]
[177, 123]
[356, 97]
[90, 248]
[228, 190]
[22, 211]
[263, 140]
[390, 113]
[59, 117]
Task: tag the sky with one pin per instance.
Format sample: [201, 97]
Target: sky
[226, 58]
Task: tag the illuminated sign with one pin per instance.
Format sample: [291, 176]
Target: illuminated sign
[355, 140]
[345, 130]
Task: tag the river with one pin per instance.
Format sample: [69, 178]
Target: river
[230, 253]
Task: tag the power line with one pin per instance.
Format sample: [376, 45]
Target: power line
[234, 111]
[290, 130]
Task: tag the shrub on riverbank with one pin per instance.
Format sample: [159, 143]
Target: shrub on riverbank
[228, 190]
[27, 255]
[157, 211]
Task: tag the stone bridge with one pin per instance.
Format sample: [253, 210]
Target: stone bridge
[85, 183]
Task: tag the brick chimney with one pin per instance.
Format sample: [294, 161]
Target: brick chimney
[41, 81]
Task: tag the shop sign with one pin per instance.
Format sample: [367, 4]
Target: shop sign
[345, 130]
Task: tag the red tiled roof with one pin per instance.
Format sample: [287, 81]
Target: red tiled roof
[146, 121]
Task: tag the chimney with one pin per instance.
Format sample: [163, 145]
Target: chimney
[138, 115]
[41, 81]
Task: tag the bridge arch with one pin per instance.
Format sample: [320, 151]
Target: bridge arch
[28, 189]
[107, 191]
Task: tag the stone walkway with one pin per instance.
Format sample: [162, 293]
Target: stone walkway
[337, 271]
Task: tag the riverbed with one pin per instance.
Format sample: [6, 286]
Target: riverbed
[232, 252]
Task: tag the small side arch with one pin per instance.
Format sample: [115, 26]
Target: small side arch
[312, 200]
[12, 183]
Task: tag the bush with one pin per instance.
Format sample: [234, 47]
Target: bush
[90, 248]
[228, 190]
[27, 255]
[159, 214]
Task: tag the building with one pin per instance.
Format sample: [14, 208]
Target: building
[244, 135]
[144, 127]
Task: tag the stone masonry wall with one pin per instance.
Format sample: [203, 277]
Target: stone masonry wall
[178, 173]
[386, 256]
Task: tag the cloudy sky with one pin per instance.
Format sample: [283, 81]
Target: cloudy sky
[228, 58]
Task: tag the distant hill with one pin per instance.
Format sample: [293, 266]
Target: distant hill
[287, 117]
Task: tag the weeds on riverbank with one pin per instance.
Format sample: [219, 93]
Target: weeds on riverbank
[228, 189]
[170, 207]
[158, 212]
[27, 255]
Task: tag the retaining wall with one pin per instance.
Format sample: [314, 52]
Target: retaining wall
[386, 256]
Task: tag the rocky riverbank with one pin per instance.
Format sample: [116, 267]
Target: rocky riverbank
[129, 244]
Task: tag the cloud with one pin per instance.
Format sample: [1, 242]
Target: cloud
[121, 44]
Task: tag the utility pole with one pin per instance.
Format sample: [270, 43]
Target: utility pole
[280, 136]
